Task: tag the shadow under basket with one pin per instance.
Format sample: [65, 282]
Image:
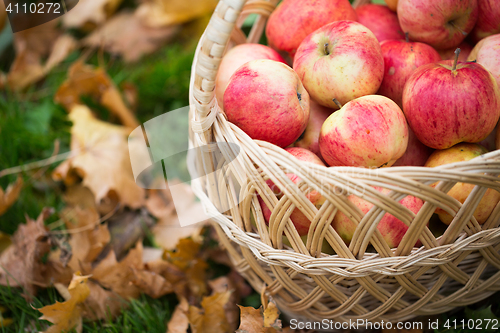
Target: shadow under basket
[366, 279]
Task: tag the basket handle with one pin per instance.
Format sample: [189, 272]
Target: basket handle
[209, 55]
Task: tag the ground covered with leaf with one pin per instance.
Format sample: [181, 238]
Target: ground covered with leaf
[82, 247]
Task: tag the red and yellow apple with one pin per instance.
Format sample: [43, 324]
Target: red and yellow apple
[487, 53]
[390, 227]
[460, 153]
[293, 20]
[448, 102]
[382, 21]
[299, 220]
[443, 24]
[266, 99]
[401, 59]
[310, 138]
[237, 56]
[488, 21]
[342, 61]
[370, 131]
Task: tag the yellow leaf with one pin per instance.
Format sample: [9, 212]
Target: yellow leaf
[68, 315]
[160, 13]
[212, 317]
[100, 156]
[259, 320]
[10, 195]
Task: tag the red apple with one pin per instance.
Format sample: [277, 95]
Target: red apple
[390, 227]
[370, 131]
[401, 59]
[237, 56]
[443, 24]
[487, 53]
[449, 54]
[382, 21]
[310, 138]
[416, 154]
[342, 61]
[293, 20]
[299, 220]
[459, 153]
[448, 102]
[266, 99]
[488, 22]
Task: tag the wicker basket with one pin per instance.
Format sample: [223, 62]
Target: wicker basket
[367, 279]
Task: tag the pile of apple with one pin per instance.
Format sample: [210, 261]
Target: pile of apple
[376, 86]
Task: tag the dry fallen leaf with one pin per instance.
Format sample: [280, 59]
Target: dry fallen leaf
[159, 278]
[102, 303]
[179, 323]
[212, 317]
[21, 263]
[160, 13]
[90, 13]
[99, 155]
[87, 80]
[10, 195]
[260, 320]
[223, 284]
[125, 35]
[32, 46]
[68, 315]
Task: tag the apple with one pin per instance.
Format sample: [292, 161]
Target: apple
[237, 56]
[342, 61]
[459, 153]
[416, 154]
[392, 4]
[390, 227]
[382, 21]
[293, 20]
[488, 22]
[487, 53]
[443, 24]
[451, 102]
[370, 131]
[401, 59]
[310, 138]
[266, 99]
[299, 220]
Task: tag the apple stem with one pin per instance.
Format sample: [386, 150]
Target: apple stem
[457, 53]
[326, 49]
[407, 36]
[337, 103]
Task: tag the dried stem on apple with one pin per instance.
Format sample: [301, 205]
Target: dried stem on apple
[457, 53]
[326, 49]
[337, 103]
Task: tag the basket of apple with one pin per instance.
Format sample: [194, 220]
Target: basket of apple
[348, 152]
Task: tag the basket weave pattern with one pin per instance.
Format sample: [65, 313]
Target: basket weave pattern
[360, 281]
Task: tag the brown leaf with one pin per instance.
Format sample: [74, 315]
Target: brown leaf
[68, 315]
[160, 13]
[271, 316]
[86, 80]
[63, 46]
[223, 284]
[179, 323]
[159, 278]
[212, 317]
[259, 320]
[10, 195]
[20, 263]
[99, 155]
[90, 13]
[127, 36]
[102, 303]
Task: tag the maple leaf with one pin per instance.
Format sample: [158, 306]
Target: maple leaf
[126, 35]
[187, 258]
[10, 195]
[212, 317]
[68, 315]
[86, 80]
[89, 13]
[99, 155]
[20, 263]
[260, 320]
[160, 13]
